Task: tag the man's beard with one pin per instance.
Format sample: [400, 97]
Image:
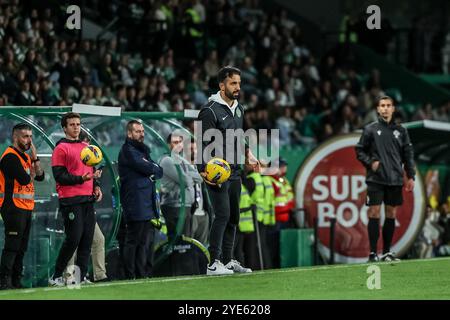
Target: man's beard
[230, 95]
[24, 147]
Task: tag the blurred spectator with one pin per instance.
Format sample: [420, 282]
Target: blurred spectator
[211, 64]
[326, 96]
[346, 121]
[444, 222]
[428, 239]
[285, 124]
[62, 71]
[124, 70]
[424, 113]
[25, 97]
[105, 71]
[170, 186]
[442, 113]
[306, 126]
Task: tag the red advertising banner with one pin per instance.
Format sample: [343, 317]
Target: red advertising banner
[331, 183]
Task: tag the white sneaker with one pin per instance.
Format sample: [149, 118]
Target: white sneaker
[56, 282]
[389, 256]
[217, 268]
[236, 267]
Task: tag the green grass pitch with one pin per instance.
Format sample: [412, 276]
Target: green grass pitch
[409, 279]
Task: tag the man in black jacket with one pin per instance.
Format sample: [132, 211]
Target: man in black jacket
[384, 148]
[224, 114]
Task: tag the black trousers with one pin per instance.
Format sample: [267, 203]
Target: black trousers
[138, 252]
[17, 225]
[79, 226]
[225, 203]
[171, 215]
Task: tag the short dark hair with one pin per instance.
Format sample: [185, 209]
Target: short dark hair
[67, 116]
[169, 137]
[384, 98]
[21, 126]
[131, 123]
[227, 72]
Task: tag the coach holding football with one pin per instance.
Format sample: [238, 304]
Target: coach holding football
[224, 112]
[385, 150]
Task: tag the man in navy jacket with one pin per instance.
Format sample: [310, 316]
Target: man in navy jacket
[138, 173]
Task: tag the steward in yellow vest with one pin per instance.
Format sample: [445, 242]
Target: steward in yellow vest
[347, 32]
[257, 193]
[246, 218]
[17, 171]
[269, 201]
[192, 32]
[290, 199]
[194, 22]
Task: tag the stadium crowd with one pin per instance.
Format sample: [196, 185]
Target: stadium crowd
[284, 84]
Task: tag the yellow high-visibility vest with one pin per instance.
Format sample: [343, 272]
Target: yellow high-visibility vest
[246, 217]
[258, 195]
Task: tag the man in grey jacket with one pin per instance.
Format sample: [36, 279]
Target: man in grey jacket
[170, 187]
